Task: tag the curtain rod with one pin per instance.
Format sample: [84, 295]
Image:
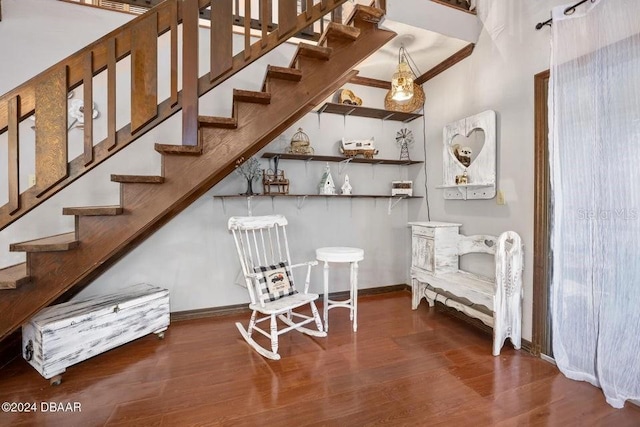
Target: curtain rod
[568, 11]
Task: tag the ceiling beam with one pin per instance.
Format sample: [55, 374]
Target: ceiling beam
[366, 81]
[446, 64]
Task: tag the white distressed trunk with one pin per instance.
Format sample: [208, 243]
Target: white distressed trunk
[65, 334]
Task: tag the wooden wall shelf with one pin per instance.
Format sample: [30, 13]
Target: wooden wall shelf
[318, 158]
[302, 198]
[334, 196]
[373, 113]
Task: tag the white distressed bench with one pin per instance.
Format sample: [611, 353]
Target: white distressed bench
[435, 275]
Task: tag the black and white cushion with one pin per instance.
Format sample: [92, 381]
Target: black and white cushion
[275, 281]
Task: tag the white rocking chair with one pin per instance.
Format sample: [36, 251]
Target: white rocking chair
[261, 242]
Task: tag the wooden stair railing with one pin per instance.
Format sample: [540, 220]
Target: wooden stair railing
[46, 94]
[59, 266]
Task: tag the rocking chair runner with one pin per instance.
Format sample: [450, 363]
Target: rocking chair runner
[263, 248]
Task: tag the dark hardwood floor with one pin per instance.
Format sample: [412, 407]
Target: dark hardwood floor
[402, 367]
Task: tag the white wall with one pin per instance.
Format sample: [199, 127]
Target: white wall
[193, 255]
[497, 76]
[35, 34]
[434, 17]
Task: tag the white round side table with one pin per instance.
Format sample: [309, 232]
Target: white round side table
[341, 254]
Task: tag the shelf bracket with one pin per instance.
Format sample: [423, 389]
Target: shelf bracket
[393, 203]
[249, 211]
[300, 201]
[224, 207]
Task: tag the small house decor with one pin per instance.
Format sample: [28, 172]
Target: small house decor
[404, 138]
[251, 171]
[462, 179]
[273, 180]
[353, 147]
[346, 187]
[300, 143]
[326, 186]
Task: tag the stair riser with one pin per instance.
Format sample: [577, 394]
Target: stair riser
[15, 276]
[262, 99]
[221, 124]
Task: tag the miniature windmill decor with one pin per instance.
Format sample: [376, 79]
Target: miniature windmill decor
[404, 138]
[300, 143]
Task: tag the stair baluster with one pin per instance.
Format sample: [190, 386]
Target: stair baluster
[190, 17]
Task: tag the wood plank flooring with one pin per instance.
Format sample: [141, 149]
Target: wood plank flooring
[402, 367]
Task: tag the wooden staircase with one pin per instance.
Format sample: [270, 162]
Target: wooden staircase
[57, 267]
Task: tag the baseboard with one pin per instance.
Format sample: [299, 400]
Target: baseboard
[243, 308]
[200, 313]
[548, 359]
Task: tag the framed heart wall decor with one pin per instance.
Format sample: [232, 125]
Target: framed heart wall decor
[469, 157]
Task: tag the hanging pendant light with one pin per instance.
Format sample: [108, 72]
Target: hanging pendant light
[402, 80]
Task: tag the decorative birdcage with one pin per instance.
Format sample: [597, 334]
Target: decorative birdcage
[300, 143]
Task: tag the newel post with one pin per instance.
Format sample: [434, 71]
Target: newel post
[190, 16]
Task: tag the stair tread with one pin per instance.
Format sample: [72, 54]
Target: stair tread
[13, 276]
[306, 50]
[92, 210]
[220, 122]
[339, 31]
[284, 73]
[189, 150]
[59, 242]
[366, 13]
[251, 96]
[143, 179]
[311, 51]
